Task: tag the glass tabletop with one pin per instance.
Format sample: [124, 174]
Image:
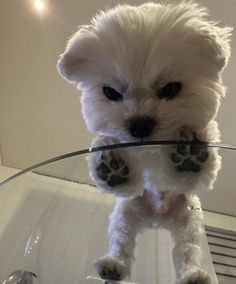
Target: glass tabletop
[54, 217]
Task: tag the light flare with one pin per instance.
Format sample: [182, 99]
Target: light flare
[39, 5]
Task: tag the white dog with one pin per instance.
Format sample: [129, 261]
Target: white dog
[151, 72]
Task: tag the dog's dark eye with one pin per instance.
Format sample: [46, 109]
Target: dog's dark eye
[112, 94]
[170, 90]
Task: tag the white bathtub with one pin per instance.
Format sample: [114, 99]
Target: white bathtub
[56, 228]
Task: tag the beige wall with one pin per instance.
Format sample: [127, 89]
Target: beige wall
[39, 112]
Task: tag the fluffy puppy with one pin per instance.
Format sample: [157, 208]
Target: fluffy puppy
[151, 72]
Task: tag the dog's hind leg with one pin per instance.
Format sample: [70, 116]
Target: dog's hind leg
[125, 222]
[186, 230]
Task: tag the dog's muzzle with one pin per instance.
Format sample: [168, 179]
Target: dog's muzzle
[140, 127]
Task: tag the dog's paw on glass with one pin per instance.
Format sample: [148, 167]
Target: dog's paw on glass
[189, 158]
[112, 169]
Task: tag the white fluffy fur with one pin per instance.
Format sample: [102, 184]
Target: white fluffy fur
[136, 50]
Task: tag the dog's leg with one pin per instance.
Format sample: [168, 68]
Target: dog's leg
[186, 230]
[123, 227]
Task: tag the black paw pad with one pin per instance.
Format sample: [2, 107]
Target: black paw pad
[188, 165]
[196, 282]
[110, 274]
[116, 180]
[113, 170]
[189, 158]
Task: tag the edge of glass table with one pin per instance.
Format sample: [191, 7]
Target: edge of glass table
[218, 145]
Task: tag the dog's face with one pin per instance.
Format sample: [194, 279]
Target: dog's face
[146, 71]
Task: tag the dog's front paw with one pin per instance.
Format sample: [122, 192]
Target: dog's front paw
[189, 158]
[195, 276]
[116, 171]
[110, 268]
[112, 169]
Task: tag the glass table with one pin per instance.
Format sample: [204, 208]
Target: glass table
[53, 222]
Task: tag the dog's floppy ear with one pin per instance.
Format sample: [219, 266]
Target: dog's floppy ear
[76, 57]
[217, 44]
[214, 41]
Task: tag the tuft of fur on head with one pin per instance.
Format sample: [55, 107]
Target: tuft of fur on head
[136, 51]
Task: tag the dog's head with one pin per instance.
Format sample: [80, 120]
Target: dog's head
[146, 71]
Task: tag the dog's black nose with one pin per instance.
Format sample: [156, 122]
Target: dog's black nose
[140, 127]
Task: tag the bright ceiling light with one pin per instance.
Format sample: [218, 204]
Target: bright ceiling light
[39, 5]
